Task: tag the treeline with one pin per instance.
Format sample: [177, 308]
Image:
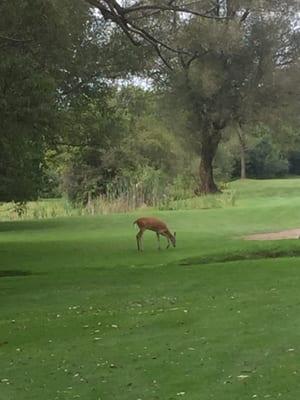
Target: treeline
[129, 140]
[90, 107]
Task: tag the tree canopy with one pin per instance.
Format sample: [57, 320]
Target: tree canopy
[213, 67]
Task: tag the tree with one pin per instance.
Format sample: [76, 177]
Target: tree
[214, 61]
[49, 53]
[143, 22]
[112, 134]
[136, 19]
[27, 102]
[275, 105]
[235, 80]
[96, 126]
[264, 158]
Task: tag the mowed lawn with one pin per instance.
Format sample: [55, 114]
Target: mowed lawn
[85, 316]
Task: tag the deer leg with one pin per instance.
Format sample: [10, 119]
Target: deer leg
[168, 245]
[166, 236]
[139, 240]
[158, 240]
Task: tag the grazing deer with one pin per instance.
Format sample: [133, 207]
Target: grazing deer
[155, 225]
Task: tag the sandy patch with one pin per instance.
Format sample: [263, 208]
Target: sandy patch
[288, 234]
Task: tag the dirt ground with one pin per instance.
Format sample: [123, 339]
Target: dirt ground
[288, 234]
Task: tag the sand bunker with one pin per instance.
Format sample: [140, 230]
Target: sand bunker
[288, 234]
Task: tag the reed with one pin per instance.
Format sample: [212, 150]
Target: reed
[147, 189]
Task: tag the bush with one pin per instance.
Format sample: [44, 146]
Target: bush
[264, 160]
[294, 162]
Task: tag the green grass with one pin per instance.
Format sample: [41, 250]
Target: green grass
[93, 319]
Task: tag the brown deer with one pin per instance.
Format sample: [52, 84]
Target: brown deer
[155, 225]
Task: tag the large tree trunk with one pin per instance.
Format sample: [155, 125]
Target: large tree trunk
[209, 147]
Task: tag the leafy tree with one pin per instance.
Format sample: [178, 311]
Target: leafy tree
[217, 61]
[112, 134]
[237, 77]
[151, 139]
[49, 52]
[264, 160]
[92, 140]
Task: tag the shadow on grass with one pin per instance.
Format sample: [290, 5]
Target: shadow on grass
[10, 226]
[11, 273]
[239, 256]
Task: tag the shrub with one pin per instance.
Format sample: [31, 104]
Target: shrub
[264, 160]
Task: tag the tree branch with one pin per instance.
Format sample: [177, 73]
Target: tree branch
[245, 15]
[126, 17]
[171, 8]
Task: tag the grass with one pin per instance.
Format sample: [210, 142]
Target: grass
[84, 316]
[58, 208]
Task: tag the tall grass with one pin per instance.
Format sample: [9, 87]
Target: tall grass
[40, 209]
[54, 208]
[153, 190]
[147, 189]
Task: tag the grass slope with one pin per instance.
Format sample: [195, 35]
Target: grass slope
[84, 316]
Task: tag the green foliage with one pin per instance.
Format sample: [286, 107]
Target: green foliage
[50, 53]
[225, 161]
[265, 160]
[182, 186]
[267, 153]
[95, 129]
[37, 44]
[27, 111]
[68, 128]
[41, 209]
[115, 136]
[240, 72]
[142, 189]
[294, 162]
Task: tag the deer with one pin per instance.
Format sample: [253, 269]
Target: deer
[157, 226]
